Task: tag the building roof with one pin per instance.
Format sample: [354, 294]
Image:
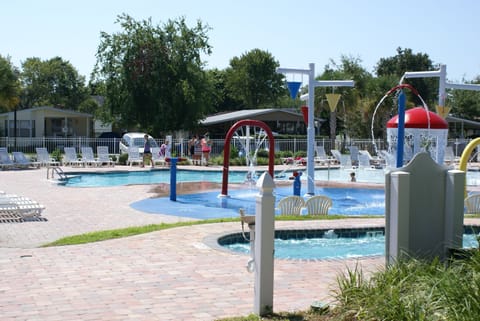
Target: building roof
[265, 114]
[68, 112]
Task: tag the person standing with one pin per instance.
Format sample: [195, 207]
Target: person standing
[191, 145]
[147, 152]
[205, 142]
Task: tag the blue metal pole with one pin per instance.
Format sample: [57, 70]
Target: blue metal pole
[173, 179]
[401, 128]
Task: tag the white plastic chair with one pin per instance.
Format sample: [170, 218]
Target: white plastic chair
[472, 204]
[43, 157]
[103, 157]
[318, 205]
[88, 158]
[291, 205]
[134, 156]
[70, 157]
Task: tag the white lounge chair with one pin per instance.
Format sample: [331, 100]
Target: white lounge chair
[472, 204]
[5, 161]
[19, 206]
[88, 158]
[344, 159]
[21, 160]
[134, 156]
[291, 205]
[353, 155]
[321, 156]
[43, 157]
[157, 158]
[318, 205]
[103, 157]
[70, 158]
[373, 161]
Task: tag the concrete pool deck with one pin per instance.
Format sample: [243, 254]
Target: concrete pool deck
[164, 275]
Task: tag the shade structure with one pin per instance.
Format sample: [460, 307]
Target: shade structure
[423, 132]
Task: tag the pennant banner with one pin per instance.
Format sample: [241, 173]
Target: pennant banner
[293, 87]
[442, 111]
[333, 101]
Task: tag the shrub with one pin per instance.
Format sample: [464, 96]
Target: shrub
[122, 159]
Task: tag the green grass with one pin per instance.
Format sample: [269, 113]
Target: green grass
[135, 230]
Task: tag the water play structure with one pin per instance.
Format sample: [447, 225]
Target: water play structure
[312, 83]
[226, 151]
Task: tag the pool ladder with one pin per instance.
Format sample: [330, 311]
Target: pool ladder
[56, 169]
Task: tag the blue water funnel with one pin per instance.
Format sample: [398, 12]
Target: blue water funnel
[293, 87]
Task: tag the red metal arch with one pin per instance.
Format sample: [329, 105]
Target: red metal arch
[226, 150]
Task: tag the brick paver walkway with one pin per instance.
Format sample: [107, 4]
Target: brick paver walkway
[165, 275]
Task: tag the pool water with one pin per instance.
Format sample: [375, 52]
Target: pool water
[163, 176]
[208, 205]
[332, 248]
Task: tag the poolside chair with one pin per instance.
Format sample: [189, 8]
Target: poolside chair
[19, 206]
[21, 160]
[291, 205]
[321, 156]
[88, 158]
[71, 158]
[318, 205]
[353, 155]
[157, 157]
[103, 157]
[43, 157]
[472, 204]
[5, 161]
[134, 156]
[343, 159]
[373, 161]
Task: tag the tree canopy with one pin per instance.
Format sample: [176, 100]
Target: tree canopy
[53, 82]
[252, 80]
[153, 75]
[9, 85]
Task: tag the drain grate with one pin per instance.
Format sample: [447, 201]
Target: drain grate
[14, 218]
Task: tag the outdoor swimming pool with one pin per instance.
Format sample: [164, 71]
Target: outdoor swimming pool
[357, 243]
[118, 178]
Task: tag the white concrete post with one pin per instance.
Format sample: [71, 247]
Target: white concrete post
[454, 202]
[399, 218]
[264, 245]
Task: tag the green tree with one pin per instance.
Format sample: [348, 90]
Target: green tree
[153, 75]
[350, 109]
[9, 85]
[252, 80]
[406, 60]
[54, 82]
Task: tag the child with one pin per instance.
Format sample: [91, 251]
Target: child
[352, 177]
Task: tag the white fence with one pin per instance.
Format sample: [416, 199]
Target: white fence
[180, 146]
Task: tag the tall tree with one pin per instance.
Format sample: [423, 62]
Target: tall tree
[54, 82]
[406, 60]
[153, 75]
[9, 85]
[252, 80]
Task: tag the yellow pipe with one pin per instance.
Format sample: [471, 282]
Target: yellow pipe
[465, 156]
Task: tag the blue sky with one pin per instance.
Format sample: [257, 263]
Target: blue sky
[296, 33]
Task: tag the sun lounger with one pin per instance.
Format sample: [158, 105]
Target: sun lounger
[88, 159]
[21, 160]
[103, 157]
[70, 158]
[5, 161]
[157, 158]
[134, 156]
[43, 157]
[20, 206]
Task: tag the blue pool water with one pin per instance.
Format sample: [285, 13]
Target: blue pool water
[332, 248]
[147, 177]
[208, 205]
[163, 176]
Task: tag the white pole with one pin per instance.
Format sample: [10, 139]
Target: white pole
[264, 245]
[311, 132]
